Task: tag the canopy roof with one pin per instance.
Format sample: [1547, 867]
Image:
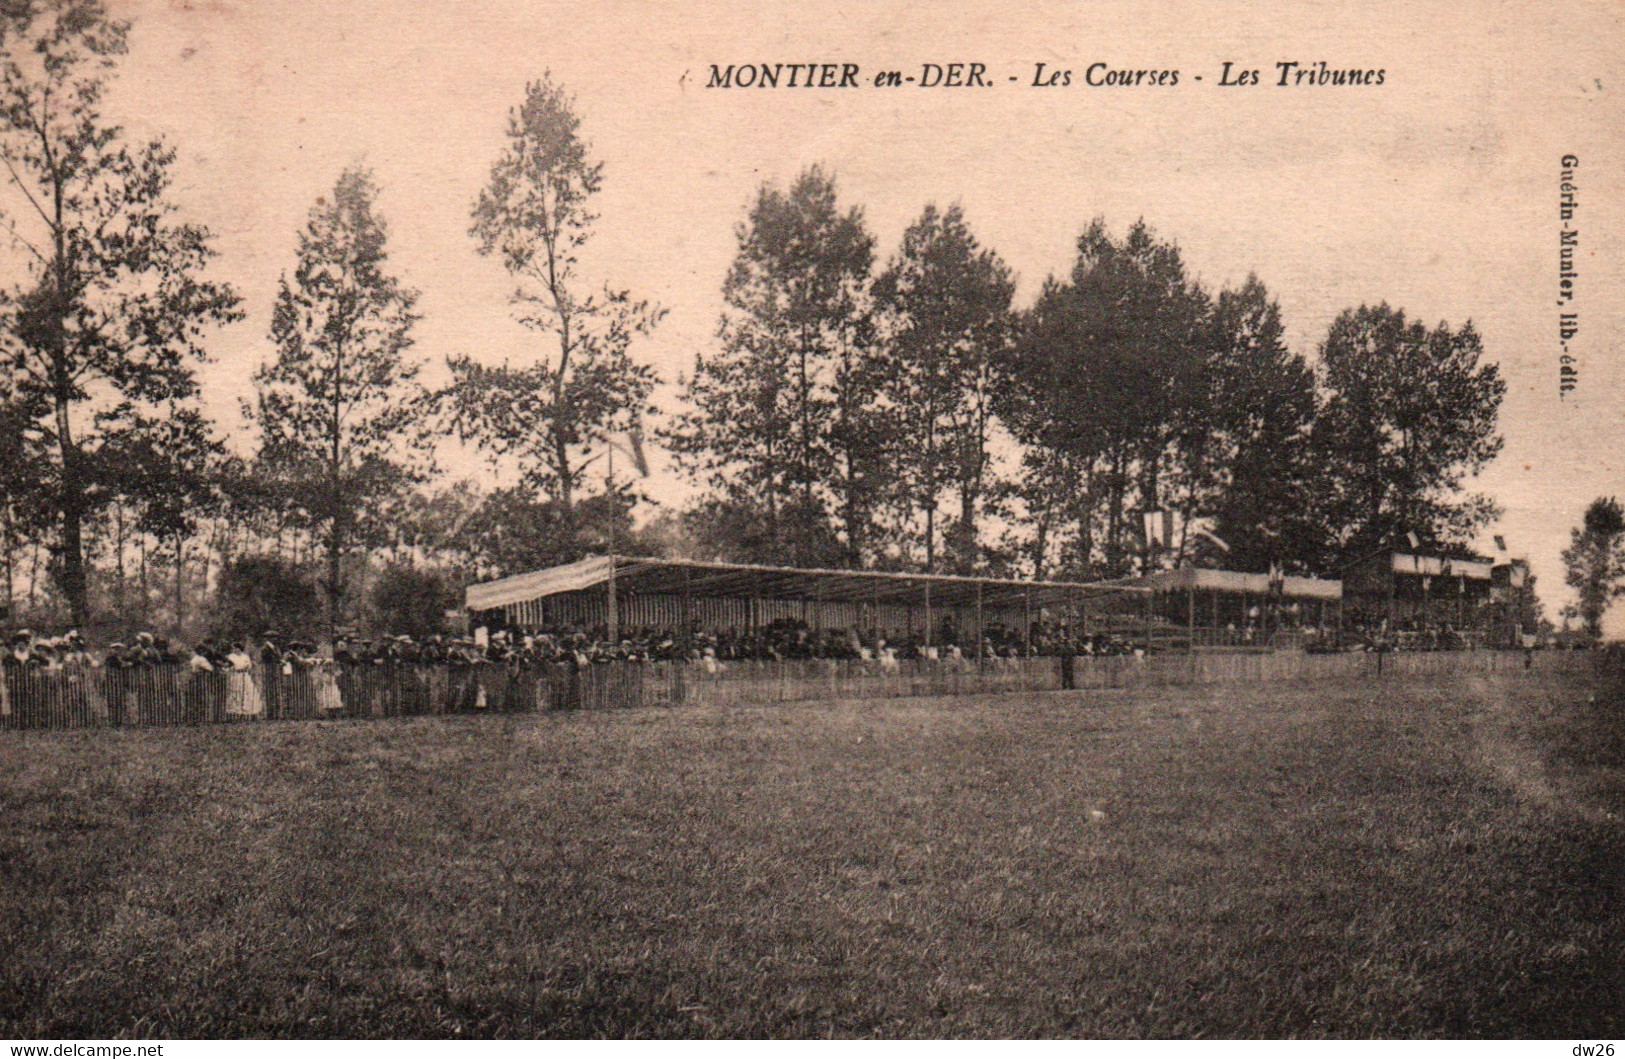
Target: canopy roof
[1235, 581]
[636, 575]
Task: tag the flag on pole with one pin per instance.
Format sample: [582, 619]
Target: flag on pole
[634, 438]
[1416, 542]
[1155, 535]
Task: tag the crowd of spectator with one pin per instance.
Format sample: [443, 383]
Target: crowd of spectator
[60, 681]
[782, 640]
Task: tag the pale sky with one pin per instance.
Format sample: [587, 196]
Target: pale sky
[1436, 191]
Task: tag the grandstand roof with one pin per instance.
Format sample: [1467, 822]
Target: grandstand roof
[638, 575]
[1236, 581]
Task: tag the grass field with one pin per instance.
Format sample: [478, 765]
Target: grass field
[1355, 859]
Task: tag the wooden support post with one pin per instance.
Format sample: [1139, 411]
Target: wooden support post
[1190, 601]
[1392, 578]
[928, 614]
[686, 640]
[981, 634]
[876, 615]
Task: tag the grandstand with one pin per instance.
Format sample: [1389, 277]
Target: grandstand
[620, 592]
[1408, 599]
[1438, 599]
[1199, 607]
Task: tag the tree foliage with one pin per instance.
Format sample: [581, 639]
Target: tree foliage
[946, 324]
[101, 338]
[535, 215]
[1133, 390]
[1110, 377]
[412, 600]
[512, 532]
[783, 419]
[340, 412]
[260, 592]
[1409, 414]
[1254, 451]
[1594, 563]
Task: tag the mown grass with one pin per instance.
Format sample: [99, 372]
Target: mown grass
[1423, 858]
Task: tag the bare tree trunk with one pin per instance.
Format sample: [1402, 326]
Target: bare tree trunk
[33, 576]
[1040, 542]
[561, 467]
[72, 543]
[1114, 516]
[930, 536]
[11, 545]
[120, 539]
[1085, 486]
[335, 573]
[180, 575]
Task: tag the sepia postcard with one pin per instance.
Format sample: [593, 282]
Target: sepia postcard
[752, 519]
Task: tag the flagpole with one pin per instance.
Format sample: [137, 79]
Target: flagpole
[635, 436]
[609, 483]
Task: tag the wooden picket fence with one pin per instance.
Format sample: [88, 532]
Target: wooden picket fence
[803, 680]
[167, 696]
[1259, 667]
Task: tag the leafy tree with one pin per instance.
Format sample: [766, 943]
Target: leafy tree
[721, 529]
[1409, 413]
[512, 532]
[411, 600]
[340, 412]
[259, 592]
[1594, 563]
[102, 334]
[1052, 513]
[783, 419]
[535, 215]
[1527, 611]
[1255, 445]
[24, 505]
[945, 305]
[170, 479]
[1109, 369]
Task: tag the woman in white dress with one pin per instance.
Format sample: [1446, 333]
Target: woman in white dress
[243, 697]
[325, 673]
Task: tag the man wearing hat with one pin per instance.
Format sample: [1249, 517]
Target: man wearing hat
[145, 652]
[19, 657]
[21, 654]
[115, 680]
[270, 655]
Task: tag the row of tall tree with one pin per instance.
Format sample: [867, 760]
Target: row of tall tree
[908, 415]
[899, 413]
[106, 457]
